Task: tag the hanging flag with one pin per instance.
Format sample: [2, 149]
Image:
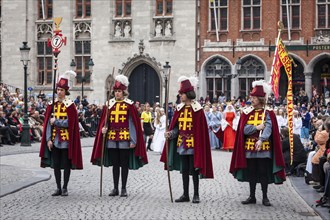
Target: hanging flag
[276, 74]
[286, 61]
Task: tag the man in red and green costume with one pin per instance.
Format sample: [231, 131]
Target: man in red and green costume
[189, 145]
[257, 155]
[60, 145]
[124, 146]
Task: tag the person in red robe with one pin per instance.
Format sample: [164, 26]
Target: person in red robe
[228, 127]
[189, 146]
[60, 144]
[257, 155]
[124, 144]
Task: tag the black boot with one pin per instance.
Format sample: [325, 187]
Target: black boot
[64, 192]
[57, 192]
[196, 198]
[149, 144]
[123, 193]
[114, 192]
[196, 187]
[265, 202]
[250, 200]
[183, 198]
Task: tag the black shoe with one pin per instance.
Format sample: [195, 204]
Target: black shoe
[183, 198]
[123, 193]
[64, 192]
[114, 192]
[250, 200]
[320, 190]
[317, 187]
[195, 199]
[266, 202]
[57, 192]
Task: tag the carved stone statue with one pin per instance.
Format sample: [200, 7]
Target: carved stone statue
[118, 30]
[168, 31]
[127, 30]
[158, 29]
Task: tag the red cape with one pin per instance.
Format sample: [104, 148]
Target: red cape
[74, 147]
[238, 163]
[138, 155]
[202, 148]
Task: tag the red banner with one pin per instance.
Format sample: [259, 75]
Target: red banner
[286, 61]
[276, 74]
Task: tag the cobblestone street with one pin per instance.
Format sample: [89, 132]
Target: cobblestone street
[148, 194]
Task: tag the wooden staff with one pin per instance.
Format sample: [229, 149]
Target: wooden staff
[54, 83]
[167, 80]
[107, 103]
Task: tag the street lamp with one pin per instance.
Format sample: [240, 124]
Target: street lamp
[83, 78]
[167, 68]
[238, 66]
[73, 65]
[217, 64]
[25, 139]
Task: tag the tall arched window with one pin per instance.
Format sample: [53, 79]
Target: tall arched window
[218, 75]
[251, 70]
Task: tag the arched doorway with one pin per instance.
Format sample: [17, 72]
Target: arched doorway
[321, 76]
[144, 84]
[298, 80]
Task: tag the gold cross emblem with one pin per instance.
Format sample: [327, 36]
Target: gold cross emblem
[58, 112]
[254, 119]
[117, 113]
[184, 120]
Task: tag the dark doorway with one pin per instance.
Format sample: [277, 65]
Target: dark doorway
[298, 80]
[144, 84]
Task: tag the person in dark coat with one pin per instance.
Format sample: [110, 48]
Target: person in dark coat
[299, 153]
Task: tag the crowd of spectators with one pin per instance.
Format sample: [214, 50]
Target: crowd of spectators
[12, 115]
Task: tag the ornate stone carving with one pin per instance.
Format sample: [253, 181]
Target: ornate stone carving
[82, 29]
[321, 37]
[122, 29]
[44, 30]
[163, 27]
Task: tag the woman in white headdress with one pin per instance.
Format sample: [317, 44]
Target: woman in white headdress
[159, 124]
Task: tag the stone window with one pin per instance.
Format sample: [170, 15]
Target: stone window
[82, 50]
[123, 8]
[45, 63]
[163, 21]
[164, 7]
[218, 10]
[293, 7]
[82, 57]
[45, 9]
[323, 14]
[251, 14]
[251, 70]
[44, 53]
[83, 8]
[218, 76]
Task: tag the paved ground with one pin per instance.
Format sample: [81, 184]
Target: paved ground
[147, 189]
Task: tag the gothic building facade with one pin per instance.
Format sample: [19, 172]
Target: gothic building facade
[236, 43]
[129, 37]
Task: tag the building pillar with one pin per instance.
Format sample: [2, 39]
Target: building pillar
[308, 84]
